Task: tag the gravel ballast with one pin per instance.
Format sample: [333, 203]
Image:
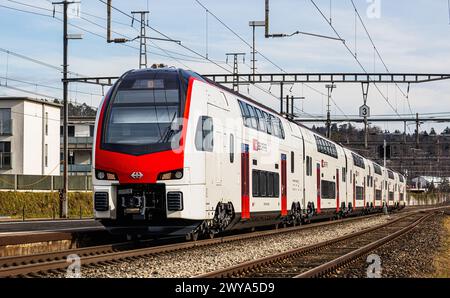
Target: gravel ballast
[409, 256]
[205, 259]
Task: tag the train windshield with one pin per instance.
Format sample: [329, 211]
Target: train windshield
[144, 114]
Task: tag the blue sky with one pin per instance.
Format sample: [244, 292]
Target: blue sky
[412, 36]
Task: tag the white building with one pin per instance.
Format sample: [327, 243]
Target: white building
[80, 132]
[29, 136]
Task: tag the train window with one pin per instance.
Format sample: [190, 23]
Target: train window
[261, 120]
[328, 190]
[263, 184]
[378, 195]
[351, 177]
[391, 196]
[344, 174]
[231, 148]
[377, 169]
[308, 166]
[268, 123]
[281, 129]
[391, 175]
[255, 183]
[292, 162]
[253, 117]
[368, 181]
[402, 197]
[358, 161]
[359, 193]
[385, 185]
[270, 184]
[204, 136]
[402, 180]
[245, 113]
[326, 147]
[276, 128]
[276, 186]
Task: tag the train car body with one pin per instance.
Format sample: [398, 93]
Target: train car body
[175, 152]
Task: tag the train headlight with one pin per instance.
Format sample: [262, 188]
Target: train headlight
[173, 175]
[102, 175]
[178, 174]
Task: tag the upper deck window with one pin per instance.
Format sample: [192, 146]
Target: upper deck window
[358, 161]
[377, 169]
[391, 175]
[326, 147]
[260, 120]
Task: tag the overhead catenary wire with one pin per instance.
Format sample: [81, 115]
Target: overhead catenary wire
[46, 86]
[188, 48]
[96, 34]
[379, 55]
[208, 11]
[356, 58]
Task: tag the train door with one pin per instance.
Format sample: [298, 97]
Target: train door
[214, 159]
[318, 181]
[283, 184]
[245, 182]
[338, 195]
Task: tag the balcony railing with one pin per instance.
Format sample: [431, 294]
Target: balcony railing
[6, 127]
[79, 141]
[78, 168]
[5, 160]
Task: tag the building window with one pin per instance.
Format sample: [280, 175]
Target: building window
[5, 155]
[5, 122]
[46, 156]
[71, 130]
[91, 130]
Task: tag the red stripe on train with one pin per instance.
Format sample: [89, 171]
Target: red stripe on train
[318, 188]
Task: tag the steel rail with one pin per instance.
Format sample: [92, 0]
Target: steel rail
[263, 262]
[41, 263]
[356, 254]
[25, 265]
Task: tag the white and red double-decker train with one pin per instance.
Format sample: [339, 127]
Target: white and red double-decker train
[175, 151]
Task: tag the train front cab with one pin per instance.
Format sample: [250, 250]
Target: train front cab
[141, 177]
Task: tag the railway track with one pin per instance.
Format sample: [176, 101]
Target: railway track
[39, 265]
[324, 258]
